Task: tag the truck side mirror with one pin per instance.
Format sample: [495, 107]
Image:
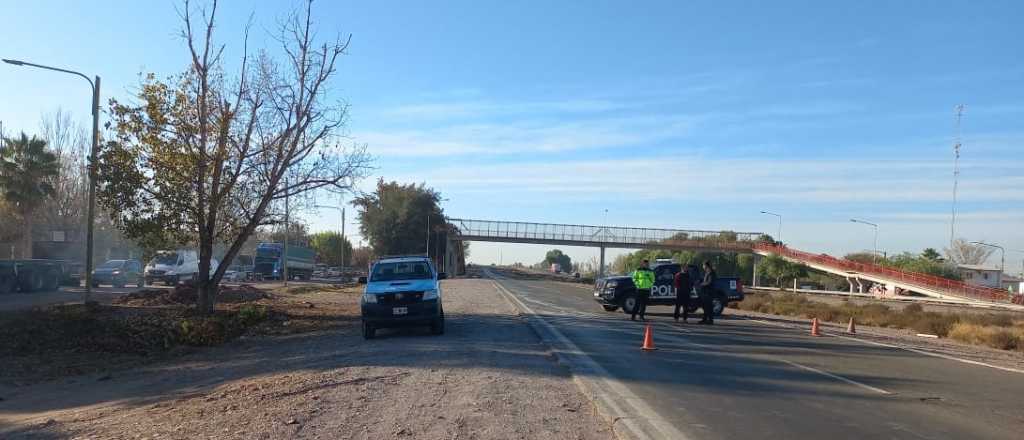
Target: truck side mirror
[442, 276]
[362, 280]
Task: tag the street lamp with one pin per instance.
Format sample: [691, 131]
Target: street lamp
[874, 255]
[778, 237]
[1002, 255]
[342, 209]
[91, 214]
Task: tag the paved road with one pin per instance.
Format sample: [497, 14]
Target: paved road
[748, 379]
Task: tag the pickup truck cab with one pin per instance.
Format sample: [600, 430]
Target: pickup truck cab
[402, 291]
[618, 291]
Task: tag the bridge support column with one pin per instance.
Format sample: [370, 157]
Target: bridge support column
[600, 269]
[753, 280]
[860, 286]
[850, 280]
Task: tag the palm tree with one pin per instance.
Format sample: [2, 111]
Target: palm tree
[26, 172]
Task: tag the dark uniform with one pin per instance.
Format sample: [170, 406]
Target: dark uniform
[707, 294]
[683, 287]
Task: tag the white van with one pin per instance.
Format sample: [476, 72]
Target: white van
[172, 267]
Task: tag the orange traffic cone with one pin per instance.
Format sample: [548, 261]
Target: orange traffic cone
[851, 328]
[814, 327]
[648, 339]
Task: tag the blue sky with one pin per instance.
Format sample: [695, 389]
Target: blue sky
[668, 114]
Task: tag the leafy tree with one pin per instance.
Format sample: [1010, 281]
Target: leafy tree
[207, 157]
[395, 218]
[27, 170]
[777, 268]
[332, 248]
[963, 252]
[931, 254]
[556, 256]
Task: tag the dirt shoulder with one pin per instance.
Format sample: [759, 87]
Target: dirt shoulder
[487, 377]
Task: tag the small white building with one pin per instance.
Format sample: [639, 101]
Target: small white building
[978, 275]
[1013, 284]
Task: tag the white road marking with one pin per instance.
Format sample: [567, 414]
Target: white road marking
[898, 347]
[834, 376]
[609, 392]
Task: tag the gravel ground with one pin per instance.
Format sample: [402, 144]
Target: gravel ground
[487, 377]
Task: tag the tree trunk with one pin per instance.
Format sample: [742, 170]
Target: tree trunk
[207, 290]
[26, 250]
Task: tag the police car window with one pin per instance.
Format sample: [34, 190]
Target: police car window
[416, 270]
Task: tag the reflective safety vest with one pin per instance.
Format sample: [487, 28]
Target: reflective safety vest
[643, 278]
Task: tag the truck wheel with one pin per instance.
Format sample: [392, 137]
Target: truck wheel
[437, 327]
[718, 305]
[629, 304]
[7, 285]
[610, 308]
[141, 283]
[52, 281]
[368, 331]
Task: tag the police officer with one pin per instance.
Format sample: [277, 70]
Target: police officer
[643, 280]
[683, 286]
[707, 293]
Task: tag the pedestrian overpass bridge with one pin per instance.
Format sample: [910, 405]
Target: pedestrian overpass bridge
[604, 237]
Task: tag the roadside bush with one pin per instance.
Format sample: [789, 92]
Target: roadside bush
[251, 314]
[995, 337]
[913, 308]
[207, 331]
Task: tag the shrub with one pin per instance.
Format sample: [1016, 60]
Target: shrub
[995, 337]
[251, 314]
[913, 308]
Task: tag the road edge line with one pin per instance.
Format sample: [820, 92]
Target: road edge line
[898, 347]
[603, 401]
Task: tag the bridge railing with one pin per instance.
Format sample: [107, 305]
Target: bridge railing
[611, 235]
[952, 287]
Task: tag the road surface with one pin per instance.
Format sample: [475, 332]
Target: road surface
[744, 378]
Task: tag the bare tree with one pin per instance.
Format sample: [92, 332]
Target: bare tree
[68, 141]
[210, 160]
[962, 252]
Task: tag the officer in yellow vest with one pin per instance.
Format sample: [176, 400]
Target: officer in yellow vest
[643, 280]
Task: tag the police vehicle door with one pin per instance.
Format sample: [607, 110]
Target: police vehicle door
[664, 281]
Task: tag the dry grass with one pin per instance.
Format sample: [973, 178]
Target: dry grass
[1003, 338]
[1002, 331]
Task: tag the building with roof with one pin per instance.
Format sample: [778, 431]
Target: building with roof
[979, 275]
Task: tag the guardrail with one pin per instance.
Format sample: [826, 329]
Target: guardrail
[610, 235]
[945, 285]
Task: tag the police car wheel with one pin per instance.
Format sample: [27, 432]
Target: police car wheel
[718, 306]
[629, 304]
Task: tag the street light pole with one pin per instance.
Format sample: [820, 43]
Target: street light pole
[1002, 255]
[874, 255]
[778, 237]
[94, 84]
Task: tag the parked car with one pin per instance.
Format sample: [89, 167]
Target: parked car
[238, 273]
[618, 291]
[118, 273]
[402, 291]
[334, 272]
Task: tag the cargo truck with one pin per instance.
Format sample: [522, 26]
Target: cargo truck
[270, 264]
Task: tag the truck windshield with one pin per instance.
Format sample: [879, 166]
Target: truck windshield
[165, 258]
[112, 264]
[413, 270]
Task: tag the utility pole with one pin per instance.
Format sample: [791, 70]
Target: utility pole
[778, 236]
[874, 254]
[343, 235]
[956, 173]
